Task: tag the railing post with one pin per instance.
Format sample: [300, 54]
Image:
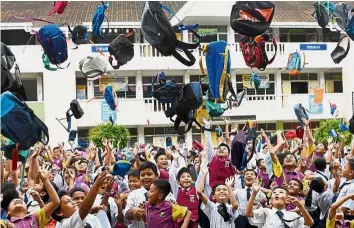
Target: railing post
[278, 89]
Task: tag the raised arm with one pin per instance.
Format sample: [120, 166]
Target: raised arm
[54, 198]
[227, 133]
[337, 204]
[229, 182]
[200, 189]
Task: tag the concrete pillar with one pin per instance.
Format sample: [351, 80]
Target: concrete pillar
[321, 79]
[189, 139]
[185, 36]
[230, 35]
[139, 85]
[141, 137]
[319, 35]
[90, 90]
[278, 89]
[348, 82]
[276, 33]
[39, 87]
[233, 80]
[187, 77]
[137, 35]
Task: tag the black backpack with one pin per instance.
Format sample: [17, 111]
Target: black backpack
[8, 60]
[251, 18]
[351, 124]
[79, 34]
[321, 13]
[158, 31]
[122, 50]
[74, 110]
[165, 91]
[185, 108]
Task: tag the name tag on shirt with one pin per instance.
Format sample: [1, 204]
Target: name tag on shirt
[191, 198]
[227, 164]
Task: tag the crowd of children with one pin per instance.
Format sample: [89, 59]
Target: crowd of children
[309, 185]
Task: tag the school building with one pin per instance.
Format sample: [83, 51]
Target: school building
[49, 93]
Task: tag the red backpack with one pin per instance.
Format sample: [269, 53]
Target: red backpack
[254, 53]
[59, 7]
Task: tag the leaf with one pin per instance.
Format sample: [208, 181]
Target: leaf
[118, 133]
[322, 132]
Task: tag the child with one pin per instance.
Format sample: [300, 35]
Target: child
[162, 213]
[336, 217]
[262, 174]
[295, 188]
[277, 216]
[133, 180]
[162, 164]
[17, 209]
[220, 214]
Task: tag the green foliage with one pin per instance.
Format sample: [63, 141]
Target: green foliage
[322, 132]
[118, 133]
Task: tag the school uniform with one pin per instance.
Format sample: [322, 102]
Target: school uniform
[274, 218]
[216, 220]
[283, 175]
[324, 201]
[347, 188]
[112, 213]
[36, 220]
[74, 221]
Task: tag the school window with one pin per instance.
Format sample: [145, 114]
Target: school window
[297, 35]
[147, 81]
[329, 36]
[17, 37]
[238, 36]
[303, 83]
[125, 86]
[209, 33]
[267, 127]
[81, 88]
[333, 82]
[133, 136]
[160, 132]
[290, 126]
[267, 86]
[30, 89]
[110, 34]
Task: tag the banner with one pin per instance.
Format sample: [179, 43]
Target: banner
[264, 81]
[118, 83]
[81, 92]
[207, 31]
[318, 95]
[160, 141]
[314, 108]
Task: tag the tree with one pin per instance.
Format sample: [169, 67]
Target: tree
[322, 132]
[118, 133]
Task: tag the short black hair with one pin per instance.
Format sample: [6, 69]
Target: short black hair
[181, 171]
[76, 189]
[83, 160]
[251, 170]
[148, 165]
[317, 184]
[225, 145]
[133, 173]
[46, 197]
[299, 182]
[320, 163]
[258, 162]
[72, 167]
[55, 213]
[351, 163]
[163, 186]
[9, 192]
[158, 154]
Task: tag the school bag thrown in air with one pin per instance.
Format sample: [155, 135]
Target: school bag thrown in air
[122, 50]
[53, 43]
[110, 96]
[301, 112]
[254, 52]
[158, 31]
[255, 81]
[92, 67]
[350, 27]
[8, 60]
[238, 151]
[342, 14]
[339, 53]
[250, 18]
[295, 63]
[20, 124]
[185, 108]
[74, 110]
[165, 91]
[98, 19]
[59, 7]
[79, 34]
[323, 12]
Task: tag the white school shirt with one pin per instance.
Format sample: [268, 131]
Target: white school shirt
[112, 205]
[75, 221]
[331, 182]
[347, 190]
[135, 198]
[241, 197]
[324, 201]
[267, 218]
[216, 221]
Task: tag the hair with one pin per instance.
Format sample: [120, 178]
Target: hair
[320, 163]
[163, 186]
[215, 186]
[46, 197]
[73, 161]
[225, 145]
[181, 171]
[83, 160]
[148, 165]
[76, 189]
[72, 167]
[351, 163]
[317, 184]
[133, 173]
[258, 162]
[280, 188]
[159, 154]
[251, 170]
[299, 182]
[55, 213]
[9, 192]
[330, 167]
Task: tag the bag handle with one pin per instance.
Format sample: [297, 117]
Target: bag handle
[276, 50]
[253, 12]
[348, 46]
[189, 62]
[204, 50]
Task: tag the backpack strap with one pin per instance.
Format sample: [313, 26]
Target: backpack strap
[204, 50]
[276, 49]
[253, 12]
[185, 47]
[33, 19]
[303, 65]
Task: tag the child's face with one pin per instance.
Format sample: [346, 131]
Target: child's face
[56, 153]
[278, 199]
[250, 176]
[162, 162]
[25, 185]
[289, 160]
[17, 205]
[221, 194]
[67, 172]
[293, 188]
[134, 183]
[222, 151]
[185, 180]
[78, 197]
[262, 164]
[82, 167]
[67, 206]
[154, 195]
[339, 215]
[320, 148]
[147, 177]
[348, 172]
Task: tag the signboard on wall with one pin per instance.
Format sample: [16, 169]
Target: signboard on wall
[313, 47]
[117, 82]
[102, 48]
[81, 92]
[160, 141]
[105, 111]
[264, 81]
[315, 108]
[208, 31]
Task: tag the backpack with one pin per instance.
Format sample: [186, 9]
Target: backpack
[168, 141]
[53, 43]
[323, 12]
[350, 27]
[59, 7]
[79, 34]
[46, 63]
[295, 63]
[238, 151]
[351, 125]
[218, 63]
[92, 67]
[250, 18]
[339, 53]
[255, 81]
[185, 108]
[158, 31]
[98, 19]
[74, 110]
[110, 96]
[8, 60]
[254, 53]
[20, 124]
[300, 112]
[215, 109]
[165, 91]
[122, 50]
[342, 14]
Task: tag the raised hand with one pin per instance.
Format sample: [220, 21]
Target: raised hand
[329, 140]
[101, 179]
[175, 155]
[226, 120]
[110, 144]
[229, 181]
[256, 187]
[263, 133]
[35, 195]
[92, 153]
[104, 142]
[294, 201]
[44, 172]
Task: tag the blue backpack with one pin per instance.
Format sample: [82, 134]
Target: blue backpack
[295, 63]
[79, 35]
[20, 124]
[165, 91]
[98, 19]
[300, 112]
[350, 27]
[109, 96]
[255, 81]
[53, 43]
